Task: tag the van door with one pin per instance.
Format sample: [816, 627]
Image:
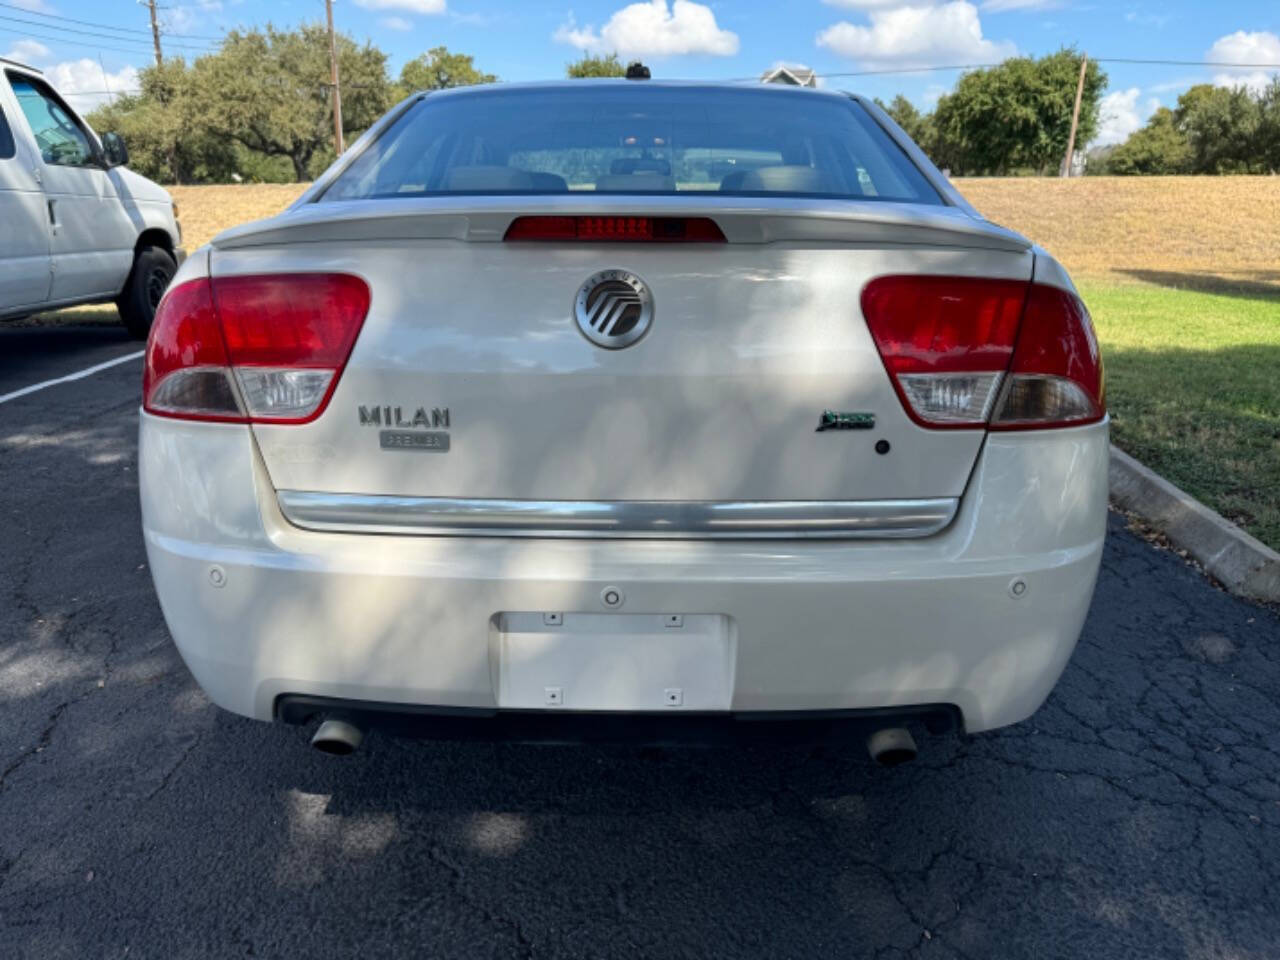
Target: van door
[91, 232]
[24, 239]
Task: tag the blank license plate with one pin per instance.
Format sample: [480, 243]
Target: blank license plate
[624, 662]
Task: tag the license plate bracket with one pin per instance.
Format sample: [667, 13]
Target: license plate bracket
[632, 662]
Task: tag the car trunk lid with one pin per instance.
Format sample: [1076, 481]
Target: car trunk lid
[757, 380]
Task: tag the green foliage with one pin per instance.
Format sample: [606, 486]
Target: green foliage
[596, 66]
[268, 90]
[1017, 115]
[918, 126]
[259, 108]
[1220, 126]
[1158, 148]
[1268, 141]
[1212, 130]
[158, 124]
[1214, 435]
[438, 69]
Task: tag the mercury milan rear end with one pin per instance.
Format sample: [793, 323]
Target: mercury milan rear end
[625, 401]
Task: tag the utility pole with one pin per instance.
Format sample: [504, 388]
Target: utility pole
[1075, 117]
[155, 31]
[338, 146]
[172, 151]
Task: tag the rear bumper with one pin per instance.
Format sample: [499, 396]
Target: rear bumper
[262, 610]
[549, 726]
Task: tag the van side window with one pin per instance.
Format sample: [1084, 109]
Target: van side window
[7, 148]
[61, 140]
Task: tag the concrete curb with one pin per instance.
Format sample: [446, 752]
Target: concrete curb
[1243, 564]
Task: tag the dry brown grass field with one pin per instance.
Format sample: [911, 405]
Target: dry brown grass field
[206, 211]
[1202, 227]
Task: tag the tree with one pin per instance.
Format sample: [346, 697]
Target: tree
[918, 126]
[1017, 115]
[595, 66]
[1269, 127]
[158, 124]
[1221, 128]
[1158, 148]
[268, 90]
[438, 69]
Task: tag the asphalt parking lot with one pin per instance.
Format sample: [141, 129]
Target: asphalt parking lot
[1136, 815]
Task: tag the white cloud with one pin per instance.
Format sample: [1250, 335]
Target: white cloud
[1255, 82]
[1120, 114]
[1157, 20]
[932, 94]
[864, 4]
[998, 6]
[35, 6]
[654, 29]
[27, 51]
[1243, 47]
[917, 36]
[84, 83]
[191, 17]
[399, 24]
[423, 7]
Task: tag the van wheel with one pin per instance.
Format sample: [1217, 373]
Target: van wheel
[153, 268]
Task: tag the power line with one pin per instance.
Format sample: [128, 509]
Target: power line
[90, 33]
[987, 66]
[27, 34]
[1192, 63]
[101, 26]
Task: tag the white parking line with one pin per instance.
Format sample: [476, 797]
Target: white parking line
[78, 375]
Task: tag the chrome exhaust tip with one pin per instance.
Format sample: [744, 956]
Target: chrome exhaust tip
[891, 746]
[337, 738]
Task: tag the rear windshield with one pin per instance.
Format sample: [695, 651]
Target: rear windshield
[633, 139]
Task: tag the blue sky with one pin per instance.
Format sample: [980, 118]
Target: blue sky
[521, 40]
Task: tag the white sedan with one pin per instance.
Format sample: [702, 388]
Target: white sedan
[602, 408]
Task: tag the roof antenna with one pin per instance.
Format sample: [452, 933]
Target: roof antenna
[637, 71]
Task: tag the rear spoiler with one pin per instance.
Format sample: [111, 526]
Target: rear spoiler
[484, 219]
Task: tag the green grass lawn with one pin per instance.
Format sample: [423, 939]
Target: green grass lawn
[1193, 387]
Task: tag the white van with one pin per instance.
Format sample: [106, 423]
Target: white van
[76, 226]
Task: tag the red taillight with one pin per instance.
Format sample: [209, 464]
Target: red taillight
[1056, 377]
[266, 349]
[616, 229]
[946, 342]
[966, 351]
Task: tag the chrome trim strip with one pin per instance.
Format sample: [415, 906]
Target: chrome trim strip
[650, 519]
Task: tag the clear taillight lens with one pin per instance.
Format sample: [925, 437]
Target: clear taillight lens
[951, 398]
[967, 352]
[256, 348]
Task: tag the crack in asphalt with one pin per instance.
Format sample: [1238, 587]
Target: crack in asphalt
[458, 875]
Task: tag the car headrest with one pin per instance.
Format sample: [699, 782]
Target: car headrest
[640, 165]
[487, 178]
[648, 182]
[550, 182]
[785, 179]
